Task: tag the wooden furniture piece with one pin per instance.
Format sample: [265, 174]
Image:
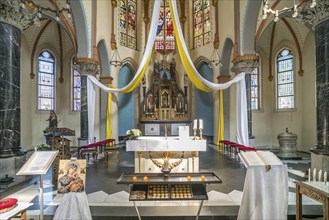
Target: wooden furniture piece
[314, 190]
[177, 186]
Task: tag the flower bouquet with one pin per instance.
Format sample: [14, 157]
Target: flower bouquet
[43, 147]
[132, 134]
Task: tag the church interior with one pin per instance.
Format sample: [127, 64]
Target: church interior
[163, 89]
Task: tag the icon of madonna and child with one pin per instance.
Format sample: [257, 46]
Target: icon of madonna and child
[72, 176]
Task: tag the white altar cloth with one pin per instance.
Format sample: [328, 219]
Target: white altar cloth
[265, 194]
[166, 144]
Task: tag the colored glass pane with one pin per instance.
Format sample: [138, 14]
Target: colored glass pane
[285, 80]
[128, 23]
[76, 90]
[255, 89]
[202, 24]
[46, 81]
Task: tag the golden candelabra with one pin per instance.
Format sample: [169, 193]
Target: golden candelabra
[166, 167]
[194, 133]
[201, 134]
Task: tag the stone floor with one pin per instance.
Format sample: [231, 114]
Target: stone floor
[108, 200]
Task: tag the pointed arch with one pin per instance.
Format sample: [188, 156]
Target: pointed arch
[226, 56]
[249, 27]
[81, 28]
[103, 58]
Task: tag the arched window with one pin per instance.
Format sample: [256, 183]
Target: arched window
[285, 80]
[46, 81]
[76, 90]
[165, 40]
[128, 22]
[255, 89]
[201, 22]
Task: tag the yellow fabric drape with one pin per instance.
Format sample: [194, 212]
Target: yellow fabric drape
[139, 77]
[220, 118]
[108, 115]
[186, 64]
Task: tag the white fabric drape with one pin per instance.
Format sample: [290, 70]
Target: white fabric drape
[91, 93]
[147, 52]
[92, 81]
[241, 99]
[241, 113]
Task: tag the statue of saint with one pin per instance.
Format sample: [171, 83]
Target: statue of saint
[52, 119]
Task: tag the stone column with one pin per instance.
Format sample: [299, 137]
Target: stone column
[319, 18]
[12, 21]
[85, 66]
[247, 64]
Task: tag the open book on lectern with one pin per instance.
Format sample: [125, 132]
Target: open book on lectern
[260, 158]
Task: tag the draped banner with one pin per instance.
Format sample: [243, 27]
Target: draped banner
[193, 74]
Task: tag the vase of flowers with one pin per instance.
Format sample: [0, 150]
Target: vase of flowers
[132, 134]
[42, 147]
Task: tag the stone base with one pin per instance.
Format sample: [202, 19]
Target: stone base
[289, 157]
[320, 162]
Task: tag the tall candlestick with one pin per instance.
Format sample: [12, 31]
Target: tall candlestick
[309, 174]
[200, 123]
[144, 107]
[195, 124]
[320, 176]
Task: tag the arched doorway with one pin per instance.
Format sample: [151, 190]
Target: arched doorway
[126, 108]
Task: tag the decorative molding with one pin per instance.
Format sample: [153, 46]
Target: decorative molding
[270, 75]
[12, 13]
[87, 66]
[114, 3]
[61, 78]
[315, 15]
[312, 194]
[245, 63]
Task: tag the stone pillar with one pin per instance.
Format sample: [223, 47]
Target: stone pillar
[247, 64]
[12, 21]
[85, 66]
[319, 18]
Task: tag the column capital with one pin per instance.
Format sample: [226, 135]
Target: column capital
[315, 15]
[223, 78]
[106, 79]
[245, 63]
[87, 66]
[18, 14]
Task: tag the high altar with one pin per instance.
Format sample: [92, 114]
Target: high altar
[165, 105]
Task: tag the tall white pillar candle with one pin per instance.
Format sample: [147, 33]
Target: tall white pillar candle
[195, 124]
[200, 123]
[320, 176]
[314, 174]
[325, 177]
[309, 174]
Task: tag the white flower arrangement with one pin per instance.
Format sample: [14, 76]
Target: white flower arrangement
[133, 134]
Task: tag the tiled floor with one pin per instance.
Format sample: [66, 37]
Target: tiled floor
[107, 200]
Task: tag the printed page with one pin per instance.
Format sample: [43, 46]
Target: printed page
[251, 158]
[269, 157]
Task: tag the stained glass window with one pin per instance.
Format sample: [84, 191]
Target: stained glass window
[46, 81]
[201, 22]
[128, 9]
[255, 87]
[164, 40]
[285, 80]
[76, 91]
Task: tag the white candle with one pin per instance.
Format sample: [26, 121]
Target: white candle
[175, 107]
[314, 174]
[309, 174]
[155, 108]
[166, 164]
[325, 177]
[200, 123]
[185, 107]
[320, 176]
[180, 105]
[195, 124]
[144, 107]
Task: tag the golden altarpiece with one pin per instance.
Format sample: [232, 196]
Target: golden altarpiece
[165, 104]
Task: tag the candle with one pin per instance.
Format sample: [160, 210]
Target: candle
[203, 178]
[165, 164]
[314, 174]
[144, 107]
[195, 124]
[155, 108]
[185, 107]
[134, 178]
[180, 105]
[175, 108]
[320, 176]
[309, 174]
[200, 123]
[189, 178]
[325, 177]
[145, 178]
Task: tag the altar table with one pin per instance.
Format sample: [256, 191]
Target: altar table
[150, 149]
